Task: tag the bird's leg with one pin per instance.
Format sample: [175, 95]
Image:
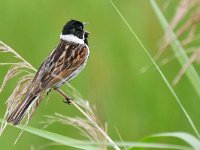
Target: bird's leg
[67, 98]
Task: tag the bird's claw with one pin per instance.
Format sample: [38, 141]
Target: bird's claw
[68, 100]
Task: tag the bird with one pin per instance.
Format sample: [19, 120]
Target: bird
[63, 64]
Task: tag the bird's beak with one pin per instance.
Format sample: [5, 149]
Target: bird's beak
[86, 32]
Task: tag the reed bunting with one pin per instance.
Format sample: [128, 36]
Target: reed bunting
[62, 65]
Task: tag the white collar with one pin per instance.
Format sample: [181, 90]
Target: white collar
[71, 38]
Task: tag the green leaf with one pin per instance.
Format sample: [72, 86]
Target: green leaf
[61, 139]
[141, 145]
[188, 138]
[88, 145]
[85, 145]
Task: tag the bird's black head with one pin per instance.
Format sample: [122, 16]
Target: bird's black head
[75, 28]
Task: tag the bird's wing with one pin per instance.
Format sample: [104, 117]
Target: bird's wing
[63, 63]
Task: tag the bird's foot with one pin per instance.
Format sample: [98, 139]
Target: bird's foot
[68, 100]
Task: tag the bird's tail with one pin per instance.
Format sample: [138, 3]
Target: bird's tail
[20, 111]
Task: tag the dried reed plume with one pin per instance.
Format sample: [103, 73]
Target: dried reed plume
[89, 125]
[184, 24]
[23, 83]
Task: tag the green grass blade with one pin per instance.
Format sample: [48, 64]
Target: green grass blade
[88, 145]
[178, 49]
[139, 145]
[159, 70]
[58, 138]
[191, 140]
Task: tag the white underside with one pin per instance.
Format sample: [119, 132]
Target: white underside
[71, 38]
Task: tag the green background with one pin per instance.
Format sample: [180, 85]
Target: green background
[136, 104]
